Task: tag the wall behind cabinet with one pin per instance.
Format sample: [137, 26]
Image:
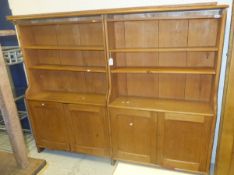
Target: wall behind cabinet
[45, 6]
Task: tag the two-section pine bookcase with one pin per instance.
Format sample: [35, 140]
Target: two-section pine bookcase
[136, 84]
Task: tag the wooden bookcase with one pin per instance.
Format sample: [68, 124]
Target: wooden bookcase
[136, 84]
[67, 71]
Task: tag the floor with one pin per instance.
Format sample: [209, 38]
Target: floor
[66, 163]
[8, 165]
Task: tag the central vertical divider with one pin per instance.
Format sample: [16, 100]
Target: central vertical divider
[108, 76]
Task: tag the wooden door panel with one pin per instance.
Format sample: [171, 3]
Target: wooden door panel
[189, 136]
[133, 135]
[49, 124]
[89, 132]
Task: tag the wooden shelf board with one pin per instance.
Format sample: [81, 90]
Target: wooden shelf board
[69, 97]
[81, 48]
[164, 70]
[69, 68]
[178, 49]
[162, 105]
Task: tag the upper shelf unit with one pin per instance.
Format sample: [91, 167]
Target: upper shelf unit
[63, 34]
[191, 33]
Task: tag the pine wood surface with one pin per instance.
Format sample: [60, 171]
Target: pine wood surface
[10, 116]
[69, 68]
[179, 49]
[66, 97]
[156, 94]
[168, 70]
[162, 105]
[64, 48]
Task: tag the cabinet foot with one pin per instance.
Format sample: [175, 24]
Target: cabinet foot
[39, 149]
[113, 162]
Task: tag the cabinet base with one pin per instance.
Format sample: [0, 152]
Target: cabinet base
[113, 162]
[40, 149]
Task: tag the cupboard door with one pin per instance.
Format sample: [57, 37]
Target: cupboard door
[133, 135]
[88, 129]
[49, 124]
[183, 141]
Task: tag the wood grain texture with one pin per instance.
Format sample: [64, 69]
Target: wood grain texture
[47, 118]
[89, 131]
[133, 134]
[182, 134]
[134, 84]
[160, 105]
[64, 48]
[8, 165]
[66, 97]
[162, 70]
[69, 68]
[10, 116]
[179, 49]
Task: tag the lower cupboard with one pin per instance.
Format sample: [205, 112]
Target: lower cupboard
[88, 129]
[70, 127]
[171, 140]
[177, 141]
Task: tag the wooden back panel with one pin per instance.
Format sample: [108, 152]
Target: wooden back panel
[164, 33]
[183, 87]
[66, 81]
[67, 34]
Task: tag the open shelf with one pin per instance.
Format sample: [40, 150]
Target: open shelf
[162, 105]
[164, 70]
[69, 68]
[178, 49]
[81, 48]
[70, 97]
